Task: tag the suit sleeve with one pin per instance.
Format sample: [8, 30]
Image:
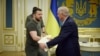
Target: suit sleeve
[65, 32]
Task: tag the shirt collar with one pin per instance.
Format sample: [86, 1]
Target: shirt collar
[64, 20]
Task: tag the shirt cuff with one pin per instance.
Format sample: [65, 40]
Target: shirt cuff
[46, 49]
[46, 45]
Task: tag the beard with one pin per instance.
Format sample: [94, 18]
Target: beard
[39, 19]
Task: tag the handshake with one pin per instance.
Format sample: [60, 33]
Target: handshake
[42, 42]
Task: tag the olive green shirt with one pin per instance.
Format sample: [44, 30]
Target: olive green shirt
[33, 25]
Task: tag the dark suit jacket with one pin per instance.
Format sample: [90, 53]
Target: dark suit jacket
[67, 40]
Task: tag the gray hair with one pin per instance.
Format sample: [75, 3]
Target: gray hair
[64, 10]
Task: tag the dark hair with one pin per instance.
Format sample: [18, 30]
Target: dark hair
[35, 9]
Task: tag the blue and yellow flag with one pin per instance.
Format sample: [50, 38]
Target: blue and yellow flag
[52, 26]
[86, 13]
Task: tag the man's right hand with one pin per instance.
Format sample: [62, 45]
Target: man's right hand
[42, 45]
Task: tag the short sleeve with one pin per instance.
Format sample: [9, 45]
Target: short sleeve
[31, 27]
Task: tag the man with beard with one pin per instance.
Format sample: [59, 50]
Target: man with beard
[34, 25]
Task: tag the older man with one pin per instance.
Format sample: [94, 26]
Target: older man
[67, 39]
